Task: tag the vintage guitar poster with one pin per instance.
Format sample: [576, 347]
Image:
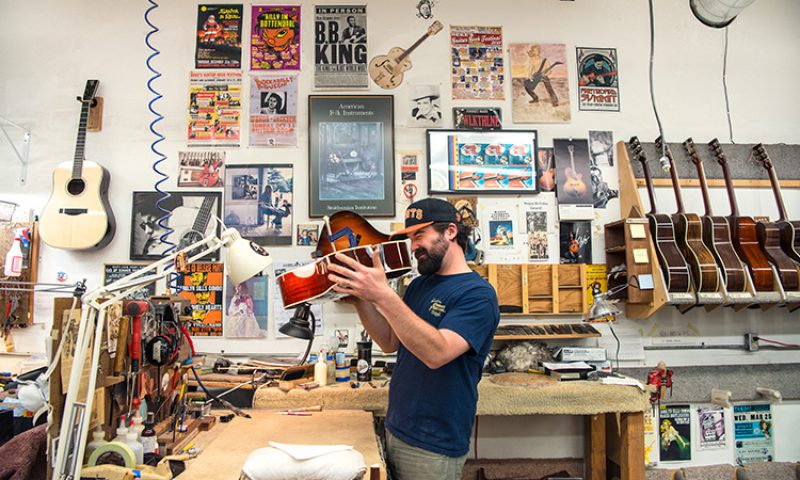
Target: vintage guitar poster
[675, 433]
[575, 241]
[282, 315]
[604, 176]
[537, 215]
[204, 169]
[752, 431]
[340, 46]
[465, 118]
[598, 79]
[259, 202]
[573, 179]
[275, 37]
[215, 109]
[477, 69]
[247, 308]
[202, 286]
[219, 36]
[711, 428]
[539, 83]
[424, 106]
[273, 110]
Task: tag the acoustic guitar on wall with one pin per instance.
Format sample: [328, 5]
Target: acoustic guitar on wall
[387, 70]
[78, 215]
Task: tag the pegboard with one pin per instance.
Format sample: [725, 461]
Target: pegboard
[24, 312]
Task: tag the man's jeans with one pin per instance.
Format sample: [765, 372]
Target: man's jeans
[407, 462]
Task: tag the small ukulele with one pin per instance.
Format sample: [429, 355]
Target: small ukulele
[387, 70]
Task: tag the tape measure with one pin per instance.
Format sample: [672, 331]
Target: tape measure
[113, 453]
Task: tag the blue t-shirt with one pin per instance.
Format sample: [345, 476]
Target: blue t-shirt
[434, 409]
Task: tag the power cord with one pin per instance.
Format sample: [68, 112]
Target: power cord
[652, 91]
[725, 85]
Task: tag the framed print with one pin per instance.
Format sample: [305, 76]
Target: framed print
[191, 218]
[351, 154]
[258, 202]
[114, 271]
[500, 161]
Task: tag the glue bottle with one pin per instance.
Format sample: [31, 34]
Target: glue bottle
[321, 370]
[149, 439]
[136, 425]
[98, 440]
[136, 446]
[122, 431]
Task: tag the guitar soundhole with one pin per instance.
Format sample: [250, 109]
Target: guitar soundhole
[76, 186]
[188, 239]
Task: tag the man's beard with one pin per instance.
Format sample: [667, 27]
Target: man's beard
[431, 260]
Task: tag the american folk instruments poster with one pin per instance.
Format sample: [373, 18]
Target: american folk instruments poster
[537, 217]
[573, 179]
[202, 286]
[675, 433]
[275, 37]
[539, 83]
[575, 242]
[598, 79]
[247, 308]
[340, 46]
[273, 110]
[477, 69]
[752, 431]
[219, 36]
[215, 109]
[259, 202]
[711, 428]
[204, 169]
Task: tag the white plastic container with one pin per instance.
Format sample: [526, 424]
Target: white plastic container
[136, 446]
[321, 370]
[98, 440]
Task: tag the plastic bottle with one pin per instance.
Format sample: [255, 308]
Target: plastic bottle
[13, 265]
[98, 440]
[321, 370]
[137, 426]
[149, 440]
[136, 446]
[122, 431]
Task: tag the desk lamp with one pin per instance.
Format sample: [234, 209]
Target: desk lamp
[298, 327]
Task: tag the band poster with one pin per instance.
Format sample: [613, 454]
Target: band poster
[273, 110]
[219, 36]
[477, 68]
[539, 83]
[247, 308]
[596, 277]
[675, 433]
[503, 240]
[215, 109]
[598, 80]
[541, 237]
[202, 286]
[282, 315]
[201, 168]
[275, 37]
[752, 430]
[711, 423]
[340, 46]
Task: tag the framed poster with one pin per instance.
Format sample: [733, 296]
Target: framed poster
[500, 161]
[258, 202]
[202, 286]
[114, 271]
[351, 154]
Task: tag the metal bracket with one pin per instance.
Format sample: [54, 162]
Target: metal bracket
[26, 143]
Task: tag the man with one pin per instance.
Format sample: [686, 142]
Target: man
[441, 330]
[425, 110]
[354, 33]
[597, 74]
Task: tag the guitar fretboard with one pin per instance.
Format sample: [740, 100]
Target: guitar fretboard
[203, 215]
[77, 165]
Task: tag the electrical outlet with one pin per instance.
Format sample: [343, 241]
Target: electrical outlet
[751, 342]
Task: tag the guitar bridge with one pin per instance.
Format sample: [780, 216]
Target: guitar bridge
[73, 211]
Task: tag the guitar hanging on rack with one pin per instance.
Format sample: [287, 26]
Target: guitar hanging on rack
[573, 184]
[717, 233]
[387, 70]
[790, 230]
[689, 235]
[743, 232]
[673, 265]
[78, 215]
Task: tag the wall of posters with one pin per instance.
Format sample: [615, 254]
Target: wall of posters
[477, 70]
[711, 428]
[219, 36]
[201, 169]
[275, 37]
[675, 433]
[752, 432]
[259, 202]
[247, 308]
[598, 79]
[215, 108]
[340, 46]
[273, 110]
[202, 286]
[539, 83]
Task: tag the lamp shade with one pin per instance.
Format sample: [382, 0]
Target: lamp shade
[299, 325]
[717, 13]
[243, 258]
[602, 309]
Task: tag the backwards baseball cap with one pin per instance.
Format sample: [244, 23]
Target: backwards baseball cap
[426, 212]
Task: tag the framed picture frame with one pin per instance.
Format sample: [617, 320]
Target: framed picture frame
[351, 154]
[191, 219]
[482, 162]
[259, 201]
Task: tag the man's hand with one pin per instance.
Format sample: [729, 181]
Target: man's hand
[361, 281]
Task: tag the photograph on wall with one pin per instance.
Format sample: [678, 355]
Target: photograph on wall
[675, 433]
[424, 106]
[573, 179]
[596, 279]
[114, 271]
[575, 242]
[202, 286]
[601, 153]
[273, 110]
[752, 432]
[503, 239]
[340, 46]
[258, 202]
[215, 109]
[275, 37]
[466, 118]
[219, 36]
[598, 80]
[247, 308]
[539, 83]
[546, 169]
[204, 169]
[467, 207]
[189, 216]
[711, 428]
[307, 234]
[351, 154]
[477, 70]
[282, 315]
[408, 160]
[538, 220]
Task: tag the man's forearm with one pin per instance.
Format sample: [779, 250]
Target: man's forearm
[376, 325]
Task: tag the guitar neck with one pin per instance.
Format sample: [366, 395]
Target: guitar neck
[651, 193]
[701, 175]
[203, 215]
[729, 187]
[77, 164]
[673, 173]
[776, 190]
[412, 48]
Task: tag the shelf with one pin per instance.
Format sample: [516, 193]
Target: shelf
[617, 249]
[545, 331]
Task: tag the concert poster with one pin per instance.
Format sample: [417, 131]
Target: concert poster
[675, 433]
[259, 202]
[275, 37]
[219, 36]
[598, 79]
[202, 286]
[596, 277]
[247, 308]
[466, 118]
[204, 169]
[340, 46]
[573, 179]
[539, 83]
[281, 314]
[711, 428]
[752, 431]
[575, 241]
[215, 109]
[477, 68]
[273, 110]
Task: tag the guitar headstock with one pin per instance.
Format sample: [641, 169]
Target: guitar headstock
[690, 150]
[435, 28]
[636, 150]
[660, 145]
[716, 148]
[762, 156]
[89, 91]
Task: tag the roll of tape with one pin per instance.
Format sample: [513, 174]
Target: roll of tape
[113, 453]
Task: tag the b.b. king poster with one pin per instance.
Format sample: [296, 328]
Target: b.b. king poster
[275, 38]
[598, 79]
[340, 46]
[202, 286]
[219, 36]
[675, 433]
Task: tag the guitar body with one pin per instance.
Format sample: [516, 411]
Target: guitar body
[673, 265]
[547, 181]
[790, 238]
[310, 284]
[349, 229]
[183, 222]
[689, 237]
[769, 238]
[78, 214]
[574, 185]
[717, 238]
[387, 71]
[745, 241]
